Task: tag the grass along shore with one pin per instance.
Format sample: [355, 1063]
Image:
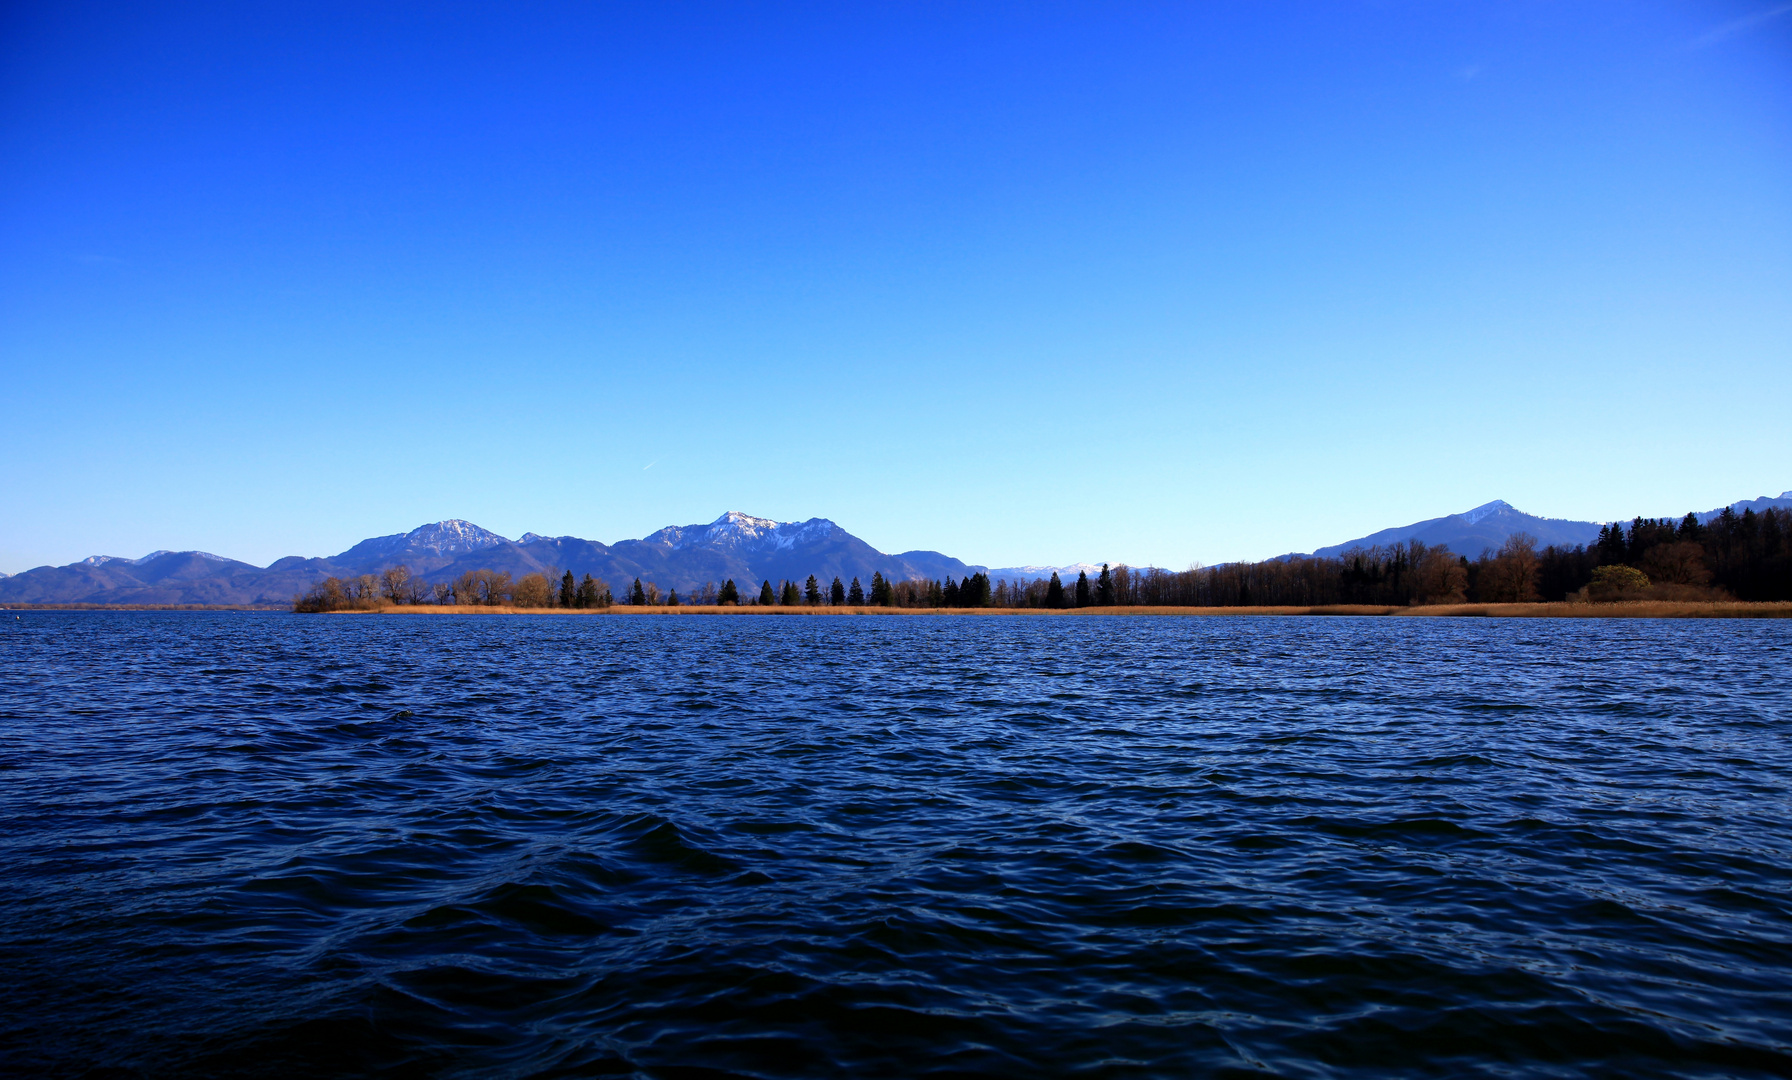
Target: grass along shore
[1629, 609]
[1625, 609]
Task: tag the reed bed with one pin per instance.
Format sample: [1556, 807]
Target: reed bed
[1632, 609]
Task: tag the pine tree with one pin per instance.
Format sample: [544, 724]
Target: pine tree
[1613, 548]
[672, 598]
[569, 591]
[1054, 593]
[593, 593]
[728, 593]
[790, 596]
[812, 591]
[949, 595]
[1082, 589]
[637, 595]
[856, 594]
[880, 590]
[1104, 587]
[836, 592]
[975, 591]
[766, 596]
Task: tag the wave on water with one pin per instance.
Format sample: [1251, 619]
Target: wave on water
[946, 847]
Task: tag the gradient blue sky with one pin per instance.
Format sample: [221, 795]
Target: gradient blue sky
[1024, 283]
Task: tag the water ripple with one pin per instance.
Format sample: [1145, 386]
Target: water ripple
[705, 847]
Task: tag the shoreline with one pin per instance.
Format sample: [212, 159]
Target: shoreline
[1560, 609]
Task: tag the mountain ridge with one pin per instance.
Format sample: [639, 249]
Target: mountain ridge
[1490, 524]
[735, 545]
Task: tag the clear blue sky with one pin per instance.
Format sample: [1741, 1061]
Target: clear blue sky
[1024, 283]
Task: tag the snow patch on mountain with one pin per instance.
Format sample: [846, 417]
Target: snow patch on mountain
[744, 532]
[1031, 573]
[1485, 510]
[159, 554]
[101, 560]
[453, 535]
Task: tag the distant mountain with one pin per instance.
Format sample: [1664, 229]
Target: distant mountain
[1468, 533]
[1784, 502]
[162, 577]
[1488, 526]
[738, 546]
[1033, 573]
[683, 557]
[422, 549]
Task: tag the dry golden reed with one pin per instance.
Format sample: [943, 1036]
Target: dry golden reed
[1633, 609]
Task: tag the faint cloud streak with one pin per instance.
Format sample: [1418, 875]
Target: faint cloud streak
[1738, 26]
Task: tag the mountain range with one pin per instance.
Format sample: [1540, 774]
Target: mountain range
[736, 545]
[1488, 525]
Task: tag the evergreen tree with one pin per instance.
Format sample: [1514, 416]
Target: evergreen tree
[637, 595]
[593, 593]
[728, 593]
[766, 597]
[1613, 548]
[1104, 587]
[812, 591]
[975, 591]
[1054, 593]
[672, 598]
[569, 590]
[949, 595]
[880, 589]
[1083, 598]
[790, 596]
[856, 594]
[836, 592]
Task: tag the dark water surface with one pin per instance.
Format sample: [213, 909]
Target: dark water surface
[706, 847]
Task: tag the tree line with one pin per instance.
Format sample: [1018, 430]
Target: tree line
[476, 588]
[1745, 556]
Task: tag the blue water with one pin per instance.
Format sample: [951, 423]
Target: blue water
[270, 845]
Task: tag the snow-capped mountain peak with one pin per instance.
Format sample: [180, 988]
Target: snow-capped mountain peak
[737, 528]
[1485, 510]
[452, 535]
[101, 560]
[744, 532]
[1030, 573]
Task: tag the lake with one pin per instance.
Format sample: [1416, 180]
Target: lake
[274, 845]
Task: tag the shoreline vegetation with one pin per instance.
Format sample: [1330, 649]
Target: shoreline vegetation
[1561, 609]
[1623, 609]
[1732, 564]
